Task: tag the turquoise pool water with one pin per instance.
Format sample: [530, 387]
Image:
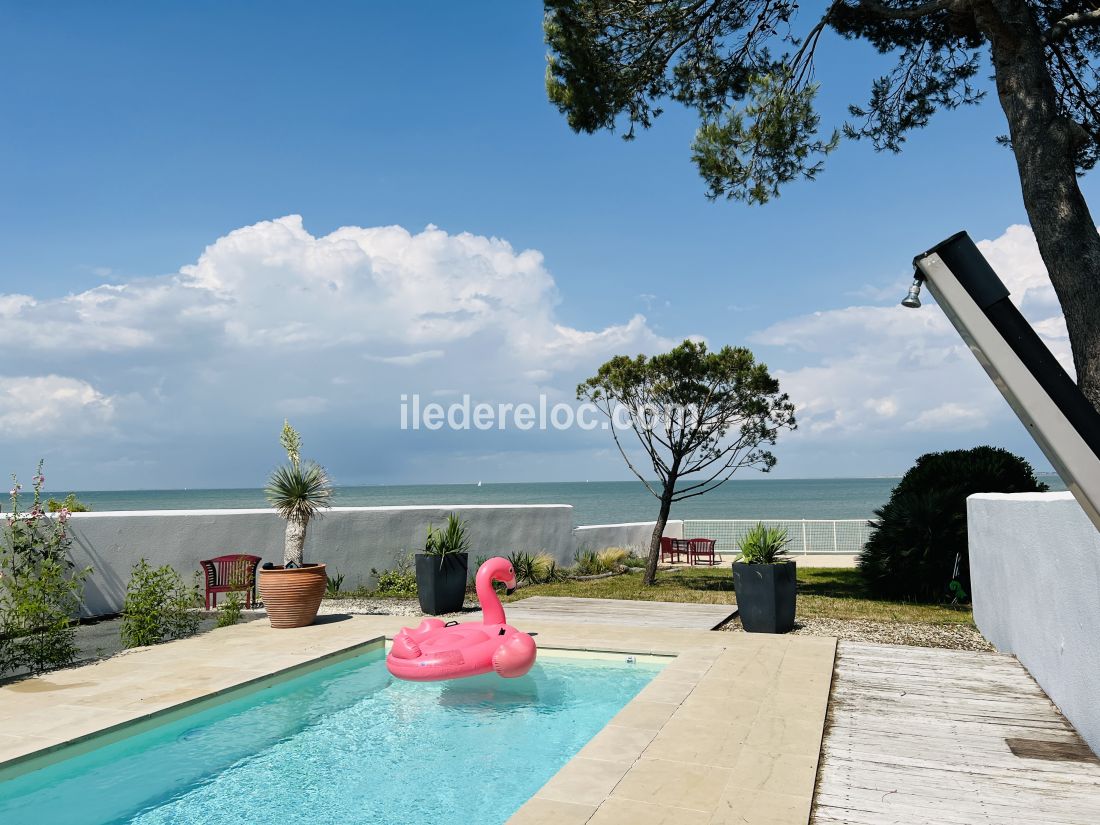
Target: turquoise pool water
[343, 745]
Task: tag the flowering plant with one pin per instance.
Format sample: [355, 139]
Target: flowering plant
[40, 592]
[34, 536]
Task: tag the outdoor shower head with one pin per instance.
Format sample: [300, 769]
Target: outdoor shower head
[912, 300]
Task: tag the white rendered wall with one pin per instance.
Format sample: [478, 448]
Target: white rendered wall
[350, 540]
[1035, 573]
[634, 535]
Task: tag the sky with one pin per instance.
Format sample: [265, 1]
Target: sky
[214, 216]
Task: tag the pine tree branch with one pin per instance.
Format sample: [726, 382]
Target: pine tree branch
[1079, 19]
[910, 13]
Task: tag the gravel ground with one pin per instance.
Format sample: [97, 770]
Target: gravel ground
[383, 607]
[952, 636]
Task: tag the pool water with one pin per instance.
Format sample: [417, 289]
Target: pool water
[345, 744]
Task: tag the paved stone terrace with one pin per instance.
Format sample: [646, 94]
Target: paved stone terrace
[729, 732]
[723, 735]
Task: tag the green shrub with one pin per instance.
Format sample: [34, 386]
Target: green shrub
[451, 539]
[612, 558]
[334, 585]
[70, 505]
[633, 560]
[587, 563]
[230, 611]
[523, 564]
[764, 545]
[38, 630]
[545, 570]
[540, 568]
[159, 606]
[921, 530]
[398, 582]
[40, 591]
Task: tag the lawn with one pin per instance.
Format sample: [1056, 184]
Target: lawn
[823, 593]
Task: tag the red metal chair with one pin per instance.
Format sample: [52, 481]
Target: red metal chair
[225, 574]
[700, 549]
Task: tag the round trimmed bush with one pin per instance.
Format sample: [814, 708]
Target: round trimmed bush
[912, 548]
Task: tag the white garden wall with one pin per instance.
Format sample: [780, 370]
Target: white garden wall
[1035, 573]
[634, 535]
[350, 540]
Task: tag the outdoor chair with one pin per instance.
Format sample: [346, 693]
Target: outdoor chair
[666, 548]
[672, 549]
[226, 574]
[701, 551]
[681, 550]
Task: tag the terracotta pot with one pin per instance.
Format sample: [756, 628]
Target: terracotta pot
[292, 596]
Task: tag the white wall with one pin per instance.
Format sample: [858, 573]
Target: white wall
[634, 535]
[350, 540]
[1035, 573]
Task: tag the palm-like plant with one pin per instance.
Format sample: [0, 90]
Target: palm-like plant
[299, 492]
[764, 545]
[448, 541]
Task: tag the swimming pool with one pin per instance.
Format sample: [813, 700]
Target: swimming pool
[344, 744]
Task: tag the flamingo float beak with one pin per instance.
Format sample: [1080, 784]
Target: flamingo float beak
[510, 585]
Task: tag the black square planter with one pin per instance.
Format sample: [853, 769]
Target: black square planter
[441, 582]
[765, 596]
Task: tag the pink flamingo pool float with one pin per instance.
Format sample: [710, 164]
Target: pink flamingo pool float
[435, 650]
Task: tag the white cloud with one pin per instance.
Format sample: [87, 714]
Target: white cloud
[874, 369]
[274, 285]
[48, 405]
[272, 321]
[949, 416]
[408, 360]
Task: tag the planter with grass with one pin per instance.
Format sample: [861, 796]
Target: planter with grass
[292, 592]
[442, 569]
[765, 581]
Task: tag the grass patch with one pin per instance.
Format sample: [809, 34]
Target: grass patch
[823, 593]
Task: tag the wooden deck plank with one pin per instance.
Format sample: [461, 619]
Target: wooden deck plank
[919, 736]
[619, 612]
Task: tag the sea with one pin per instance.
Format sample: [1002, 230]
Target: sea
[594, 502]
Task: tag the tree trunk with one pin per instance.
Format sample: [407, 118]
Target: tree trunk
[658, 531]
[295, 541]
[1044, 143]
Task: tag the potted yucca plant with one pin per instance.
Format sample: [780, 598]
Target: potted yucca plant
[299, 492]
[764, 580]
[442, 569]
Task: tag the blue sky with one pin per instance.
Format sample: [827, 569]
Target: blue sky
[137, 135]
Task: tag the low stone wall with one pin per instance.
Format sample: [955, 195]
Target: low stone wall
[350, 540]
[634, 535]
[1035, 573]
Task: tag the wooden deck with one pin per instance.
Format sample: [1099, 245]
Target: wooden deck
[618, 612]
[948, 737]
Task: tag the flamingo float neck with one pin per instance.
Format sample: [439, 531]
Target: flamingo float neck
[499, 570]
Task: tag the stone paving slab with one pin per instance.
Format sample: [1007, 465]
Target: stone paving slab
[628, 612]
[724, 734]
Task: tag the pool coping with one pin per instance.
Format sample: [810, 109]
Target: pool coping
[729, 731]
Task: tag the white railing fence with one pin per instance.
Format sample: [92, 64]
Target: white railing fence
[840, 536]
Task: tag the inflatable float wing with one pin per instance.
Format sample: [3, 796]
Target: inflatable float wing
[434, 650]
